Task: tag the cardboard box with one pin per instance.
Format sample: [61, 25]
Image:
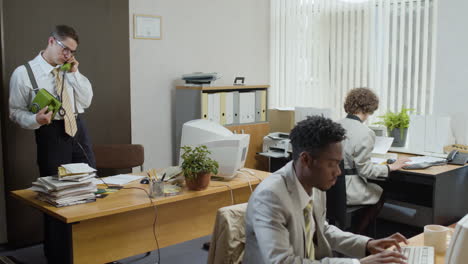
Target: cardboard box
[281, 120]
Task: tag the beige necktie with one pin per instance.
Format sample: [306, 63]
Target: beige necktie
[69, 118]
[308, 234]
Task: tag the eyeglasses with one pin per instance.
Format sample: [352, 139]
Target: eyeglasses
[66, 49]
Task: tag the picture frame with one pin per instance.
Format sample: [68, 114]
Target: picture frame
[147, 27]
[239, 81]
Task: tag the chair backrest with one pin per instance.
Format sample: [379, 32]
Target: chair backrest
[228, 239]
[119, 156]
[336, 200]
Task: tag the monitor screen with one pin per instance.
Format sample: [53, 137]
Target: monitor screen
[228, 149]
[457, 252]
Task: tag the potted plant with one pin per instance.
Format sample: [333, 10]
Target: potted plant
[198, 167]
[397, 126]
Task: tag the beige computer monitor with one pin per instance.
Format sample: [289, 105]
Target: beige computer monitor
[457, 253]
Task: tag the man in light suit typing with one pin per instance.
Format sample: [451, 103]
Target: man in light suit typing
[285, 219]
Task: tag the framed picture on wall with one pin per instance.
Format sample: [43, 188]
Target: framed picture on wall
[146, 27]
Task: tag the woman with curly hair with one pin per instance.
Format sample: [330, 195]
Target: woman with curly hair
[359, 104]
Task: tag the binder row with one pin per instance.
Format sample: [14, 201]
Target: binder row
[228, 108]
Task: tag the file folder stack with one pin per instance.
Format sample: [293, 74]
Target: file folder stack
[227, 108]
[200, 78]
[73, 185]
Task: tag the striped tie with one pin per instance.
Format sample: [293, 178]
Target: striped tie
[308, 234]
[69, 118]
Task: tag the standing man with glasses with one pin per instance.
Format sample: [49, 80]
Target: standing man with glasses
[63, 138]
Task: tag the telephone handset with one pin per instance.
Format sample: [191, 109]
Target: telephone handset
[456, 157]
[66, 67]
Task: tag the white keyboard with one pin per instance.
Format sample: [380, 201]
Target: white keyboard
[419, 255]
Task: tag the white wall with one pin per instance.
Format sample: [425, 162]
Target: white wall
[224, 36]
[451, 83]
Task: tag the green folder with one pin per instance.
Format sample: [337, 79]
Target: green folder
[44, 98]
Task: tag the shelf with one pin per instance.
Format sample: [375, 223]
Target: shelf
[222, 87]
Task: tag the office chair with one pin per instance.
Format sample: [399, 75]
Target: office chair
[119, 156]
[338, 212]
[228, 239]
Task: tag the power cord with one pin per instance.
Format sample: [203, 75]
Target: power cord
[230, 189]
[248, 179]
[252, 173]
[148, 195]
[154, 222]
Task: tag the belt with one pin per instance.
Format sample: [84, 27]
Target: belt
[351, 171]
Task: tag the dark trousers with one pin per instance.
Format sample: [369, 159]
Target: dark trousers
[55, 147]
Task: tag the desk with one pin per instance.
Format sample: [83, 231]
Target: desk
[440, 192]
[419, 241]
[121, 225]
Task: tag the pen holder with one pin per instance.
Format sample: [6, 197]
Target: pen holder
[156, 188]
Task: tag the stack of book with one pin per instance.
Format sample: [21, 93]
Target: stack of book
[72, 185]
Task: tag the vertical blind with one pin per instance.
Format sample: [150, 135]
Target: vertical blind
[320, 49]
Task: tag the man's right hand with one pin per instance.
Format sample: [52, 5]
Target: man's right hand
[386, 256]
[42, 117]
[399, 163]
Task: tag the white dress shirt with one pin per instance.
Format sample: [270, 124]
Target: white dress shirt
[305, 199]
[22, 93]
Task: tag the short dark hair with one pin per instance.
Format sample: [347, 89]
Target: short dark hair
[362, 100]
[314, 134]
[64, 31]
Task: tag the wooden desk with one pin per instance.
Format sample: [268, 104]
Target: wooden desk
[121, 225]
[419, 241]
[439, 191]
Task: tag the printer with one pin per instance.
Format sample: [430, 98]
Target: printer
[276, 145]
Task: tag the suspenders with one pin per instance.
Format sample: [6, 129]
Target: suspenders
[31, 77]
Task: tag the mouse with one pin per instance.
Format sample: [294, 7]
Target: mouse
[144, 181]
[390, 161]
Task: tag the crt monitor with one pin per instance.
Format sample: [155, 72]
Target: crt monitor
[301, 113]
[228, 149]
[457, 252]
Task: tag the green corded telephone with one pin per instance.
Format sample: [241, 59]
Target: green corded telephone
[42, 99]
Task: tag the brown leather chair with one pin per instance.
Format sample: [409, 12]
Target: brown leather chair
[119, 156]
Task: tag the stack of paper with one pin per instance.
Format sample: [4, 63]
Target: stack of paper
[73, 185]
[120, 179]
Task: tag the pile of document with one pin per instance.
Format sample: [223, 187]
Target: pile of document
[200, 77]
[72, 185]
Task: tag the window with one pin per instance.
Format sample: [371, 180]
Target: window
[320, 49]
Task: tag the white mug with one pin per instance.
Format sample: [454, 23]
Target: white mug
[436, 236]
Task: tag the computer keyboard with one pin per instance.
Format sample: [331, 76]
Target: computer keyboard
[423, 165]
[418, 166]
[419, 255]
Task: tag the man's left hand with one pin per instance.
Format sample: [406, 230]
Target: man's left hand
[379, 245]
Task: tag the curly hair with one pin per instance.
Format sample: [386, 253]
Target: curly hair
[361, 100]
[314, 134]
